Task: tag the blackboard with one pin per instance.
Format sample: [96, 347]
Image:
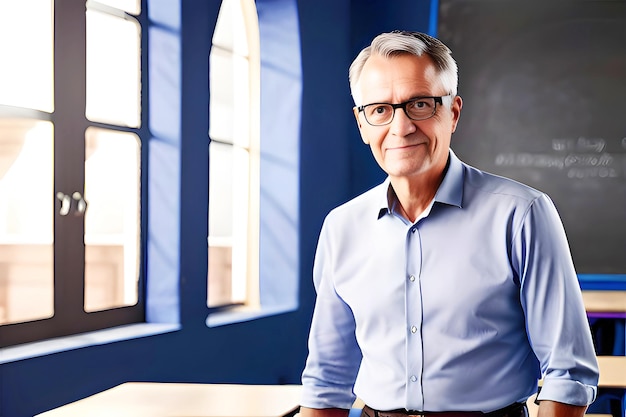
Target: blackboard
[544, 90]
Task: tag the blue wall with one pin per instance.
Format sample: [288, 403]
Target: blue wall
[334, 165]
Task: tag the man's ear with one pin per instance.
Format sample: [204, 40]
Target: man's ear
[356, 116]
[457, 105]
[360, 125]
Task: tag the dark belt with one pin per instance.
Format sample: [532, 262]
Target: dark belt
[513, 410]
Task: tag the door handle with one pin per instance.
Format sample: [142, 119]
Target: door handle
[66, 203]
[75, 204]
[81, 204]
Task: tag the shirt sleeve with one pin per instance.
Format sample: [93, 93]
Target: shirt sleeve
[557, 325]
[334, 355]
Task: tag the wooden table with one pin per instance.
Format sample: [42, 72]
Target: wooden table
[608, 304]
[149, 399]
[613, 378]
[612, 372]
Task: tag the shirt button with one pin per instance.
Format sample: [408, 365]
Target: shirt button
[413, 378]
[412, 278]
[413, 230]
[413, 329]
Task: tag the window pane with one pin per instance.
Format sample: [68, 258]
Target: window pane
[129, 6]
[220, 274]
[113, 69]
[26, 51]
[230, 29]
[112, 191]
[26, 220]
[230, 100]
[222, 104]
[228, 223]
[221, 190]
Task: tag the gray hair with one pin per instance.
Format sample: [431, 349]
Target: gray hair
[413, 43]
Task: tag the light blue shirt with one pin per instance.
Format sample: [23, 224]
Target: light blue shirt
[463, 310]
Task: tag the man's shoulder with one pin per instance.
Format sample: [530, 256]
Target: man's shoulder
[496, 185]
[370, 201]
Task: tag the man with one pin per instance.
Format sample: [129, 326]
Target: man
[445, 289]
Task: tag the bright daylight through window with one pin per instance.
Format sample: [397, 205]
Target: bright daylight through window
[70, 166]
[233, 272]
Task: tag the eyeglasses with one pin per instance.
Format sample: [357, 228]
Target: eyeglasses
[419, 108]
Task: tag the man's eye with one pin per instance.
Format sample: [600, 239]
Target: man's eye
[380, 109]
[420, 104]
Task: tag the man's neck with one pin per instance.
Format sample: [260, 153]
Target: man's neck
[414, 195]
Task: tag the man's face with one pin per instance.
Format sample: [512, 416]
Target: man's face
[407, 148]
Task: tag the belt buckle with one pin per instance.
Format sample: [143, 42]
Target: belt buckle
[418, 414]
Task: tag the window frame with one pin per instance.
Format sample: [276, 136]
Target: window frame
[250, 247]
[280, 103]
[70, 125]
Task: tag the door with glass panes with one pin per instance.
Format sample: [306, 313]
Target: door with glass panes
[70, 167]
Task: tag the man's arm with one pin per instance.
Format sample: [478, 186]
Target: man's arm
[334, 353]
[556, 409]
[324, 412]
[556, 321]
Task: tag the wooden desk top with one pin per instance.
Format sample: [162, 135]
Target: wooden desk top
[605, 301]
[148, 399]
[612, 371]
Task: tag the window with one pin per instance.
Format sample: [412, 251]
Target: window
[70, 167]
[234, 153]
[254, 180]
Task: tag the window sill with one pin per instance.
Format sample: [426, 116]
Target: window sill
[100, 337]
[245, 313]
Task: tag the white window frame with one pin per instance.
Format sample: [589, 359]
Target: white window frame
[235, 122]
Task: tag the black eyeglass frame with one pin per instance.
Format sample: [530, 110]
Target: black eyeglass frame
[438, 100]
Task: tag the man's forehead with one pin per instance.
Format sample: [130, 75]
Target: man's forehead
[400, 63]
[405, 73]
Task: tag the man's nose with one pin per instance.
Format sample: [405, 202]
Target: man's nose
[401, 124]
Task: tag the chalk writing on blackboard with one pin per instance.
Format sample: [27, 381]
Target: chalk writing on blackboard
[543, 88]
[578, 158]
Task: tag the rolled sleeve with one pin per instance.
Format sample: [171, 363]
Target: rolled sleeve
[567, 391]
[557, 324]
[327, 397]
[334, 354]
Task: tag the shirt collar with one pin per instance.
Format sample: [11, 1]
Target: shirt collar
[450, 191]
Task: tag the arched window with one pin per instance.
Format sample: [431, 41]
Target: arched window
[254, 160]
[234, 152]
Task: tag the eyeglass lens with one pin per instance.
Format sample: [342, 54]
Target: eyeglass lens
[382, 114]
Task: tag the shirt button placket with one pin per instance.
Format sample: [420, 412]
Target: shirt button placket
[414, 365]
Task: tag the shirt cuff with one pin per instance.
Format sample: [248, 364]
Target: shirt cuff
[567, 391]
[327, 397]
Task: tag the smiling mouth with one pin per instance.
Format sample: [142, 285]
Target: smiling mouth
[400, 148]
